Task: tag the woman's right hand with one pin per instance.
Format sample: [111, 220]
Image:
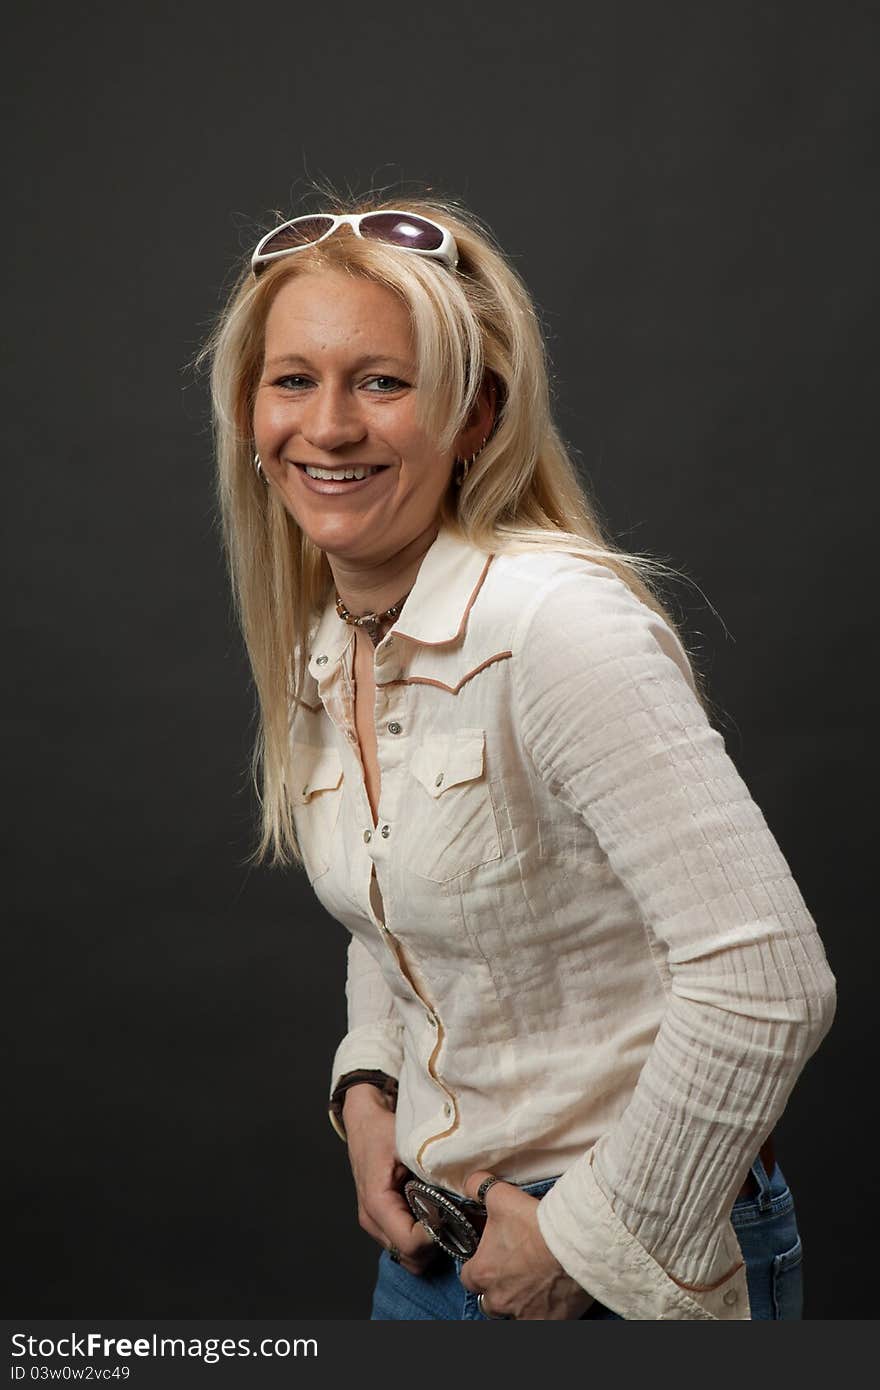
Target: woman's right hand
[379, 1175]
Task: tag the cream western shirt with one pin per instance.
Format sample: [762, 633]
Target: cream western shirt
[574, 940]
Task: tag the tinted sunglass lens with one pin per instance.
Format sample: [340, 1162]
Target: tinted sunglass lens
[402, 230]
[302, 232]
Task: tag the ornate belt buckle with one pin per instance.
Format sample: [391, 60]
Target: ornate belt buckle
[455, 1226]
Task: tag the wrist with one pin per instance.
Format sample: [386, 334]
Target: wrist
[363, 1097]
[380, 1083]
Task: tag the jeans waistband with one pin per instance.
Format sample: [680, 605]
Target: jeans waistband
[769, 1186]
[536, 1188]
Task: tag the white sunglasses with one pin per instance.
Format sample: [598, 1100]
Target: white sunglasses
[408, 231]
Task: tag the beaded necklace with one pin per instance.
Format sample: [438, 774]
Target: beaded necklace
[371, 622]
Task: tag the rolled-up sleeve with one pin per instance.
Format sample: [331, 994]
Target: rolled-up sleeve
[374, 1041]
[609, 717]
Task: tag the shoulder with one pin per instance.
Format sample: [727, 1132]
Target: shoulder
[565, 613]
[552, 585]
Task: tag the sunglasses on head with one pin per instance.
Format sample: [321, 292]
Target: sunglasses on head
[408, 231]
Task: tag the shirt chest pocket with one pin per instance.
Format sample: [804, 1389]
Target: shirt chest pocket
[453, 827]
[317, 797]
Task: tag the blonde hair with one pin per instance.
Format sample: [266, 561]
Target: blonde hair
[522, 493]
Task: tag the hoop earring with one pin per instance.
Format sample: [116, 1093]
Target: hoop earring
[258, 465]
[463, 466]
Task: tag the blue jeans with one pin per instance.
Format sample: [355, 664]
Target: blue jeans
[765, 1226]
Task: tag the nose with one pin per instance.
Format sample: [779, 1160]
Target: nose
[332, 418]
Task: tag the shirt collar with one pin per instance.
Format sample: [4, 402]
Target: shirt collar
[435, 611]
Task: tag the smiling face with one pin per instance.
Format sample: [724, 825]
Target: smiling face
[338, 392]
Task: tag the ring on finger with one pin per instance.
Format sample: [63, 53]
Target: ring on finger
[484, 1187]
[495, 1317]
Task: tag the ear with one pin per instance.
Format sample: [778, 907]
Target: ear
[481, 420]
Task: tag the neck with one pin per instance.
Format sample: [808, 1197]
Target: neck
[371, 586]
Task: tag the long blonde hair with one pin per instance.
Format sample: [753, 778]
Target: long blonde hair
[523, 492]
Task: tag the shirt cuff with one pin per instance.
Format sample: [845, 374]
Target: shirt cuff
[581, 1229]
[372, 1047]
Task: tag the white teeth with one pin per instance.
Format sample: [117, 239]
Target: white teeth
[339, 475]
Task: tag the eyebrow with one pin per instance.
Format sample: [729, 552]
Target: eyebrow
[293, 359]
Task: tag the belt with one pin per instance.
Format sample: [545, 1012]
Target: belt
[456, 1223]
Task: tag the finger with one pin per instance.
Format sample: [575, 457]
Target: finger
[473, 1183]
[415, 1267]
[417, 1252]
[468, 1279]
[406, 1232]
[413, 1264]
[414, 1258]
[389, 1212]
[486, 1309]
[400, 1211]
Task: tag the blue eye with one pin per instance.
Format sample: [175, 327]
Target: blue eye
[385, 384]
[293, 383]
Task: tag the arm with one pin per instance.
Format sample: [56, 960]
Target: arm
[362, 1114]
[610, 720]
[373, 1041]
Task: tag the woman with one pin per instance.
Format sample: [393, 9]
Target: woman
[581, 980]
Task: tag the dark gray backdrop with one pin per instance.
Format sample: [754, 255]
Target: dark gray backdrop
[686, 188]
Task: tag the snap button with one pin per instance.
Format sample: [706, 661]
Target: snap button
[386, 831]
[321, 661]
[730, 1297]
[394, 727]
[438, 779]
[352, 736]
[368, 835]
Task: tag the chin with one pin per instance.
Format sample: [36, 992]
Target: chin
[346, 540]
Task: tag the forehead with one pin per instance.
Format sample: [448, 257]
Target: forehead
[328, 311]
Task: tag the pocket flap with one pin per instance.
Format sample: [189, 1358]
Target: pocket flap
[315, 770]
[441, 763]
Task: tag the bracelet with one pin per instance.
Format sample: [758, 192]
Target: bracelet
[380, 1079]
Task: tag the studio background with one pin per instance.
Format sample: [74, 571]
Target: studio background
[686, 190]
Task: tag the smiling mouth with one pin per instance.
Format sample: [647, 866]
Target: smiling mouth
[355, 473]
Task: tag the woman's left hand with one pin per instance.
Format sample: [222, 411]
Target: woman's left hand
[513, 1268]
